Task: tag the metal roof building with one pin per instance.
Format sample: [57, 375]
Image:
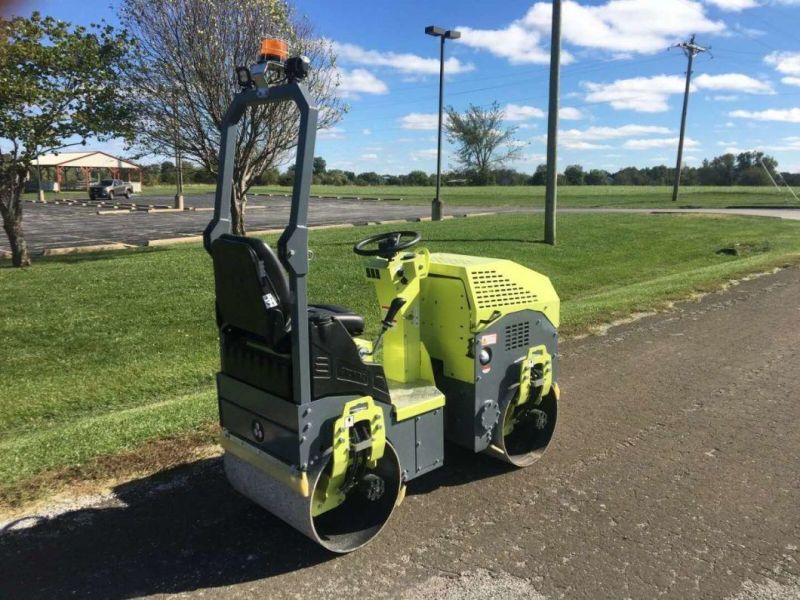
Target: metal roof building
[87, 161]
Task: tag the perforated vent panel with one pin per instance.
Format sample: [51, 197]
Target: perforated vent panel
[493, 289]
[518, 335]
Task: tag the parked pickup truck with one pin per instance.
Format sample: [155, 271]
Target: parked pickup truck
[108, 188]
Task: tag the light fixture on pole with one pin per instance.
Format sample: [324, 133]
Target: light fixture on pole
[442, 34]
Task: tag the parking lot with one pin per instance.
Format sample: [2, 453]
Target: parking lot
[52, 225]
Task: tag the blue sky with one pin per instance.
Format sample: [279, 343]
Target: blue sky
[621, 88]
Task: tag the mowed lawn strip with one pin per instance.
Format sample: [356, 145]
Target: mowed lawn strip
[577, 196]
[586, 196]
[103, 352]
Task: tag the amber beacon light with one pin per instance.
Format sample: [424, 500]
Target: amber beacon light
[273, 49]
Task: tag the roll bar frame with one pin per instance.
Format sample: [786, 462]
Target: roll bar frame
[293, 243]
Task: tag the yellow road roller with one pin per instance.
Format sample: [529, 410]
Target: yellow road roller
[324, 427]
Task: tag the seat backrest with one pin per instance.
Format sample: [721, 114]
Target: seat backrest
[252, 288]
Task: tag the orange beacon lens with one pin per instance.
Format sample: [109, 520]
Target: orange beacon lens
[272, 49]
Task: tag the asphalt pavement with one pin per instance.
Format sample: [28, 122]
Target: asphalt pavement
[674, 473]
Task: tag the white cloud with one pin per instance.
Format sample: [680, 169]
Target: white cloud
[642, 94]
[621, 27]
[788, 144]
[366, 131]
[369, 156]
[587, 139]
[359, 81]
[419, 121]
[784, 115]
[733, 5]
[405, 62]
[578, 145]
[635, 26]
[424, 154]
[516, 43]
[723, 98]
[331, 133]
[569, 114]
[518, 112]
[651, 94]
[735, 82]
[787, 63]
[610, 133]
[647, 144]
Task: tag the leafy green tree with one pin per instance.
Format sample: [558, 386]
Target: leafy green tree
[597, 177]
[482, 143]
[335, 177]
[574, 175]
[59, 86]
[753, 176]
[417, 178]
[540, 175]
[369, 178]
[319, 165]
[720, 170]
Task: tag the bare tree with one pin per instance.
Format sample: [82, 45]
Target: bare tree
[482, 144]
[185, 80]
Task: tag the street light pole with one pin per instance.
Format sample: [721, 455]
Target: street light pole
[178, 178]
[436, 209]
[39, 177]
[443, 34]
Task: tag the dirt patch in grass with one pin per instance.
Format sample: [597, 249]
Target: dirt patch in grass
[100, 474]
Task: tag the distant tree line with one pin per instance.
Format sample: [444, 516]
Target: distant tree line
[728, 169]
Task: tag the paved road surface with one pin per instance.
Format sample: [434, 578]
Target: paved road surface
[674, 473]
[58, 226]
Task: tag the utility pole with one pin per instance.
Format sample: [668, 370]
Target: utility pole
[690, 49]
[552, 128]
[442, 34]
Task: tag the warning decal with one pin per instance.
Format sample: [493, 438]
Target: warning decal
[488, 339]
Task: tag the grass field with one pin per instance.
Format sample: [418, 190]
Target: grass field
[101, 353]
[570, 196]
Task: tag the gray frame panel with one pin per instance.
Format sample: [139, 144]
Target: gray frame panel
[293, 244]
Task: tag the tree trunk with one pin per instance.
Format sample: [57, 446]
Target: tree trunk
[238, 205]
[11, 211]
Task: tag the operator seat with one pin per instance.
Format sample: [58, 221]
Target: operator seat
[254, 314]
[253, 292]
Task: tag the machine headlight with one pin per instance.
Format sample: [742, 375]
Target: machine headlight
[485, 356]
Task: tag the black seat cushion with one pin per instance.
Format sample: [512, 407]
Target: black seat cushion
[353, 323]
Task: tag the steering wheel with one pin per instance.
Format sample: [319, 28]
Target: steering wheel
[389, 243]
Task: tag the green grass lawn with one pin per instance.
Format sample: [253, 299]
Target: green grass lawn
[103, 352]
[569, 196]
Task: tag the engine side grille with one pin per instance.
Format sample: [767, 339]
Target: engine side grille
[493, 289]
[518, 335]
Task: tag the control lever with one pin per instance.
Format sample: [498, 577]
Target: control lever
[386, 325]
